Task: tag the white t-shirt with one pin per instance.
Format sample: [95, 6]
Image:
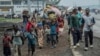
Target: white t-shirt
[87, 22]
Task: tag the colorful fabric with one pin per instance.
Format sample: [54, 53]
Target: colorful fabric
[40, 37]
[29, 26]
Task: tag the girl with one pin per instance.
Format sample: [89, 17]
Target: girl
[17, 40]
[47, 32]
[6, 45]
[40, 35]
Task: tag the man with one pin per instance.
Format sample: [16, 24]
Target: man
[75, 26]
[68, 20]
[88, 31]
[79, 14]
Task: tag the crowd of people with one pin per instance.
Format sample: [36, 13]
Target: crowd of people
[47, 29]
[81, 24]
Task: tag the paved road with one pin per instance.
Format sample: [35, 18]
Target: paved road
[96, 27]
[96, 50]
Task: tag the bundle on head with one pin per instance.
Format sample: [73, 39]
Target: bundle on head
[25, 12]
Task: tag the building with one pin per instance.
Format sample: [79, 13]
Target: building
[17, 6]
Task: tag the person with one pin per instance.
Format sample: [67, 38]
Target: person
[31, 36]
[53, 33]
[47, 32]
[60, 24]
[30, 25]
[68, 20]
[6, 45]
[79, 14]
[25, 17]
[17, 40]
[75, 26]
[89, 21]
[40, 33]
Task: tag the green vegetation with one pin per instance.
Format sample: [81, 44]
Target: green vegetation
[10, 20]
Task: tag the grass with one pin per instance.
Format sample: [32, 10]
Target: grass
[10, 20]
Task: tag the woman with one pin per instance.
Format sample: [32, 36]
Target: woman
[40, 35]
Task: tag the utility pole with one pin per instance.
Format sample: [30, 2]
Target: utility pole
[29, 6]
[38, 5]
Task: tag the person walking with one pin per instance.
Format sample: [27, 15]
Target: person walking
[6, 45]
[75, 26]
[40, 33]
[79, 14]
[17, 40]
[31, 36]
[89, 21]
[53, 32]
[47, 33]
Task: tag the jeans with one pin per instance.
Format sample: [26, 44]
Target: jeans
[53, 39]
[48, 38]
[76, 36]
[88, 37]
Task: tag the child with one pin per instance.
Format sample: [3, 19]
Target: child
[17, 40]
[31, 41]
[40, 35]
[53, 32]
[47, 32]
[6, 45]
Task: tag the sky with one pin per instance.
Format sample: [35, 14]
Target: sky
[79, 2]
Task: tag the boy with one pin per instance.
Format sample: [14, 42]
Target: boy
[53, 32]
[6, 45]
[31, 41]
[47, 32]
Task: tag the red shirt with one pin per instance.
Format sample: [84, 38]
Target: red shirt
[29, 26]
[60, 22]
[6, 41]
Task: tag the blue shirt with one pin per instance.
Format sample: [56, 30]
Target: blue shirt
[53, 28]
[31, 38]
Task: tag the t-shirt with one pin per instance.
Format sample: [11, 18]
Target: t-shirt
[31, 38]
[6, 41]
[47, 31]
[53, 28]
[88, 20]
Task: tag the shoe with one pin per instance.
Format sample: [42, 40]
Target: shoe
[55, 45]
[52, 47]
[91, 46]
[74, 47]
[85, 49]
[78, 44]
[40, 47]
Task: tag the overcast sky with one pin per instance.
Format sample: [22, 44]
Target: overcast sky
[79, 2]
